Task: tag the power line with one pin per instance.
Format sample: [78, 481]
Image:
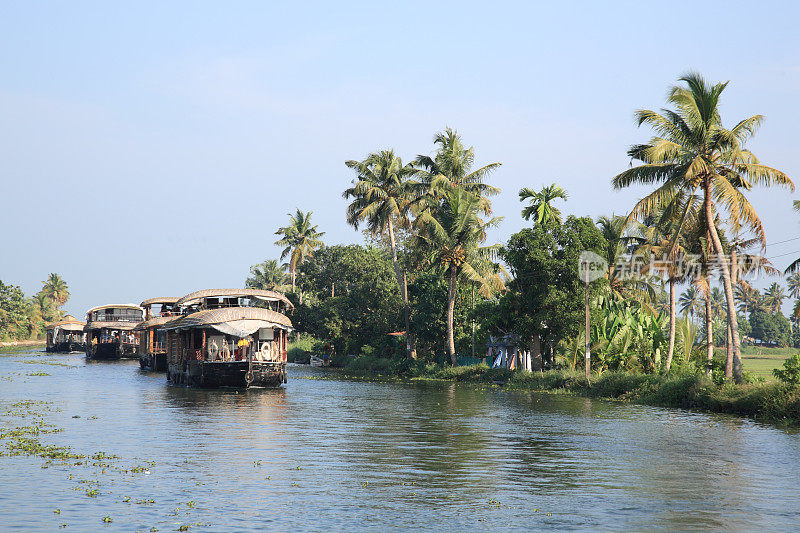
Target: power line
[781, 242]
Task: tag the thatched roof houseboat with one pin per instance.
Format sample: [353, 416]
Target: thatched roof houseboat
[152, 348]
[65, 335]
[229, 337]
[109, 331]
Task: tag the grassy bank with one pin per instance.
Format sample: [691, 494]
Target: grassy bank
[770, 402]
[6, 344]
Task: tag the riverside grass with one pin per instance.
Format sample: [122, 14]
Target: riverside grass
[772, 402]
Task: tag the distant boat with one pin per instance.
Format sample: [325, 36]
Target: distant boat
[223, 340]
[152, 348]
[109, 331]
[66, 335]
[319, 361]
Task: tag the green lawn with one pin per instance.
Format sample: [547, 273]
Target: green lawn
[760, 361]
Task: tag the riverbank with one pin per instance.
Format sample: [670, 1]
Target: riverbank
[768, 402]
[8, 344]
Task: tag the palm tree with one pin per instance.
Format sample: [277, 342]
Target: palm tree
[540, 204]
[793, 282]
[300, 239]
[269, 275]
[693, 151]
[382, 195]
[774, 296]
[618, 244]
[451, 236]
[56, 289]
[451, 167]
[690, 301]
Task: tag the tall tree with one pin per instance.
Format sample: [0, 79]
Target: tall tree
[300, 239]
[56, 289]
[689, 301]
[269, 275]
[694, 151]
[451, 167]
[451, 237]
[793, 282]
[381, 197]
[774, 297]
[540, 204]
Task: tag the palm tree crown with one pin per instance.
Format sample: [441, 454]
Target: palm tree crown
[451, 167]
[300, 239]
[269, 275]
[540, 204]
[56, 289]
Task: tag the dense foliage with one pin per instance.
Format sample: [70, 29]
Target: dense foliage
[24, 318]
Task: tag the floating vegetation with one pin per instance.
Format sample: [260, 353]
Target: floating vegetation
[37, 374]
[93, 493]
[107, 519]
[57, 511]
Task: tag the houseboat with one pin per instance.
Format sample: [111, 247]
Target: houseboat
[229, 338]
[152, 348]
[66, 335]
[109, 331]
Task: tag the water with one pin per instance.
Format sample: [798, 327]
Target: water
[328, 454]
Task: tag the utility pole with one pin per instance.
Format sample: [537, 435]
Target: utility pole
[588, 348]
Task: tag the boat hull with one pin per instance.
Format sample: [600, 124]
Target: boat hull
[111, 350]
[66, 347]
[239, 374]
[153, 362]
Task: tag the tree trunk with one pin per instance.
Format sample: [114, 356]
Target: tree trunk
[401, 286]
[726, 278]
[292, 269]
[729, 354]
[709, 334]
[588, 353]
[536, 353]
[729, 335]
[451, 302]
[671, 349]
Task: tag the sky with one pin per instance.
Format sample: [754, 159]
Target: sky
[152, 149]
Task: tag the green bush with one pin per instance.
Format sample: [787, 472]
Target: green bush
[790, 374]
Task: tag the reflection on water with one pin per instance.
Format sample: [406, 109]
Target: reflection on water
[326, 454]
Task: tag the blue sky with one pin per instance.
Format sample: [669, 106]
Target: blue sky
[153, 149]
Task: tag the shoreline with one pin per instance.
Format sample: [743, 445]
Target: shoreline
[771, 403]
[11, 344]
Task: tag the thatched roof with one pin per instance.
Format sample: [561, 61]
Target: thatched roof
[68, 323]
[122, 326]
[229, 314]
[267, 296]
[153, 322]
[114, 306]
[162, 300]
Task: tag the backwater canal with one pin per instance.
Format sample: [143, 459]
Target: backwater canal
[323, 453]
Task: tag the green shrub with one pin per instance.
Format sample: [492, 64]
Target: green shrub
[790, 374]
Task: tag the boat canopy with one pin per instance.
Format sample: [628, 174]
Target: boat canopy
[122, 326]
[113, 306]
[68, 323]
[162, 300]
[256, 294]
[153, 322]
[235, 321]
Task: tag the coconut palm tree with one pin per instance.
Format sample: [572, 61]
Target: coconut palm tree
[269, 275]
[56, 289]
[689, 301]
[382, 194]
[451, 167]
[793, 282]
[300, 239]
[693, 151]
[451, 236]
[619, 243]
[774, 296]
[540, 204]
